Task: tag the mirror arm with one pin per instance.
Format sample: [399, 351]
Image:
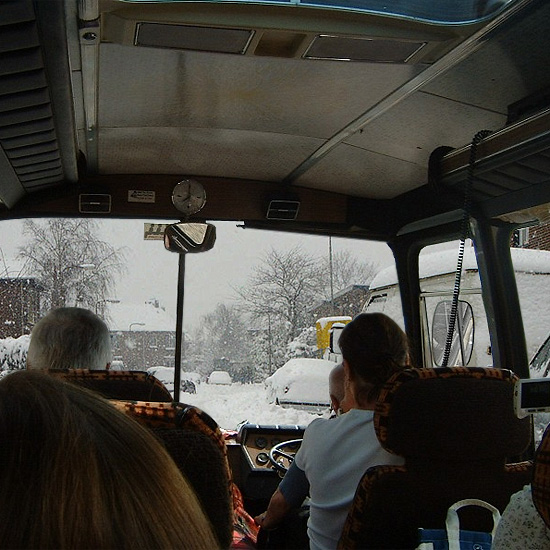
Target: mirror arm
[179, 327]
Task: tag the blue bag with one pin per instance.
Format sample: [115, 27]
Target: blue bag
[452, 537]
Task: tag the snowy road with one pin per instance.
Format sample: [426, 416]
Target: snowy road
[231, 405]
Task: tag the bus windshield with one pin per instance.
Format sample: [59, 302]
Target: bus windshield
[251, 305]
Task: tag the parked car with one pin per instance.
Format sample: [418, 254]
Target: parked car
[195, 377]
[219, 377]
[166, 376]
[301, 383]
[117, 364]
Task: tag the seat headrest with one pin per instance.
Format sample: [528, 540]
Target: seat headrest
[540, 485]
[117, 384]
[458, 413]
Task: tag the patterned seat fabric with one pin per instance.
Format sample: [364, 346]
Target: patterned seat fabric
[198, 447]
[116, 384]
[540, 485]
[454, 427]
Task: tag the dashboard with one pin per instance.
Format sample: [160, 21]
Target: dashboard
[258, 440]
[249, 459]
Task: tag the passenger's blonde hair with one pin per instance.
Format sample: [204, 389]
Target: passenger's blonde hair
[77, 473]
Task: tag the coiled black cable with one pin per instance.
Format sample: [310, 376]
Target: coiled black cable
[465, 231]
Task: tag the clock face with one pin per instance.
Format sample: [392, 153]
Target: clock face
[189, 196]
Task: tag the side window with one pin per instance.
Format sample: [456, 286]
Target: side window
[463, 337]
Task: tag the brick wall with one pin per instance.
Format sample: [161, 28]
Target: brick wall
[537, 237]
[19, 306]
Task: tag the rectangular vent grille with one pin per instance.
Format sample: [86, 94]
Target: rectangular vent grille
[94, 203]
[371, 50]
[187, 37]
[282, 209]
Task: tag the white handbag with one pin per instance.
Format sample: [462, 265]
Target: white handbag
[452, 537]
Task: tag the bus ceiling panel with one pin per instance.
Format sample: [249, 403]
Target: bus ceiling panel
[142, 87]
[443, 65]
[412, 129]
[506, 68]
[362, 173]
[224, 27]
[202, 151]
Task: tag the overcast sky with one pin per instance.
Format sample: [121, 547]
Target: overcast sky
[210, 276]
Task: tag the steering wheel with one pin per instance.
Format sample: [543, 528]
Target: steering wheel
[280, 458]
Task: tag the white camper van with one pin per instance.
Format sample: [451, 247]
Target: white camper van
[437, 272]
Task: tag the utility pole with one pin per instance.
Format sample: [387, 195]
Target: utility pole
[331, 274]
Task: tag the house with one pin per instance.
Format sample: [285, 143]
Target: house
[348, 301]
[19, 305]
[143, 335]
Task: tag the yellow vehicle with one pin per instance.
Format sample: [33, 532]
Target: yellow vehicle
[327, 330]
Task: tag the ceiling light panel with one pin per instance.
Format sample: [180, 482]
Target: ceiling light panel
[187, 37]
[362, 49]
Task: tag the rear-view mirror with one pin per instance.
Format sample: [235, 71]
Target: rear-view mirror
[186, 237]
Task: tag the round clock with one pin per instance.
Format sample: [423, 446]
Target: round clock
[189, 196]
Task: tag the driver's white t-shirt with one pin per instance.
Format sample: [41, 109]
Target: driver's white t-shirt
[334, 455]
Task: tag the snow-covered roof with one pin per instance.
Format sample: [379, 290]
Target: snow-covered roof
[339, 294]
[440, 263]
[125, 317]
[324, 321]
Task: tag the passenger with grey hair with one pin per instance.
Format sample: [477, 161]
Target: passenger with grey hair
[70, 338]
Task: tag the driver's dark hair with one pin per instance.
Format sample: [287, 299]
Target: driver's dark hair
[375, 347]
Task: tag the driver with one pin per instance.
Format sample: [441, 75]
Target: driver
[336, 391]
[336, 452]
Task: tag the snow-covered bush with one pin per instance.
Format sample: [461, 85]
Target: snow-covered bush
[304, 345]
[13, 352]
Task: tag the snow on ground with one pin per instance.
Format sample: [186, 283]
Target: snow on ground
[237, 403]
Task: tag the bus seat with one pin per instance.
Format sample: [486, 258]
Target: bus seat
[540, 486]
[455, 428]
[198, 447]
[117, 384]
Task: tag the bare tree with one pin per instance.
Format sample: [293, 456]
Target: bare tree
[225, 342]
[282, 289]
[349, 270]
[73, 265]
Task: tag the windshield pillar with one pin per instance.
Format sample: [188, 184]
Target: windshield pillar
[406, 264]
[500, 295]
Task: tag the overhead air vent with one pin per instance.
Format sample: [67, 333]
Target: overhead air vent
[28, 138]
[187, 37]
[371, 50]
[94, 203]
[282, 209]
